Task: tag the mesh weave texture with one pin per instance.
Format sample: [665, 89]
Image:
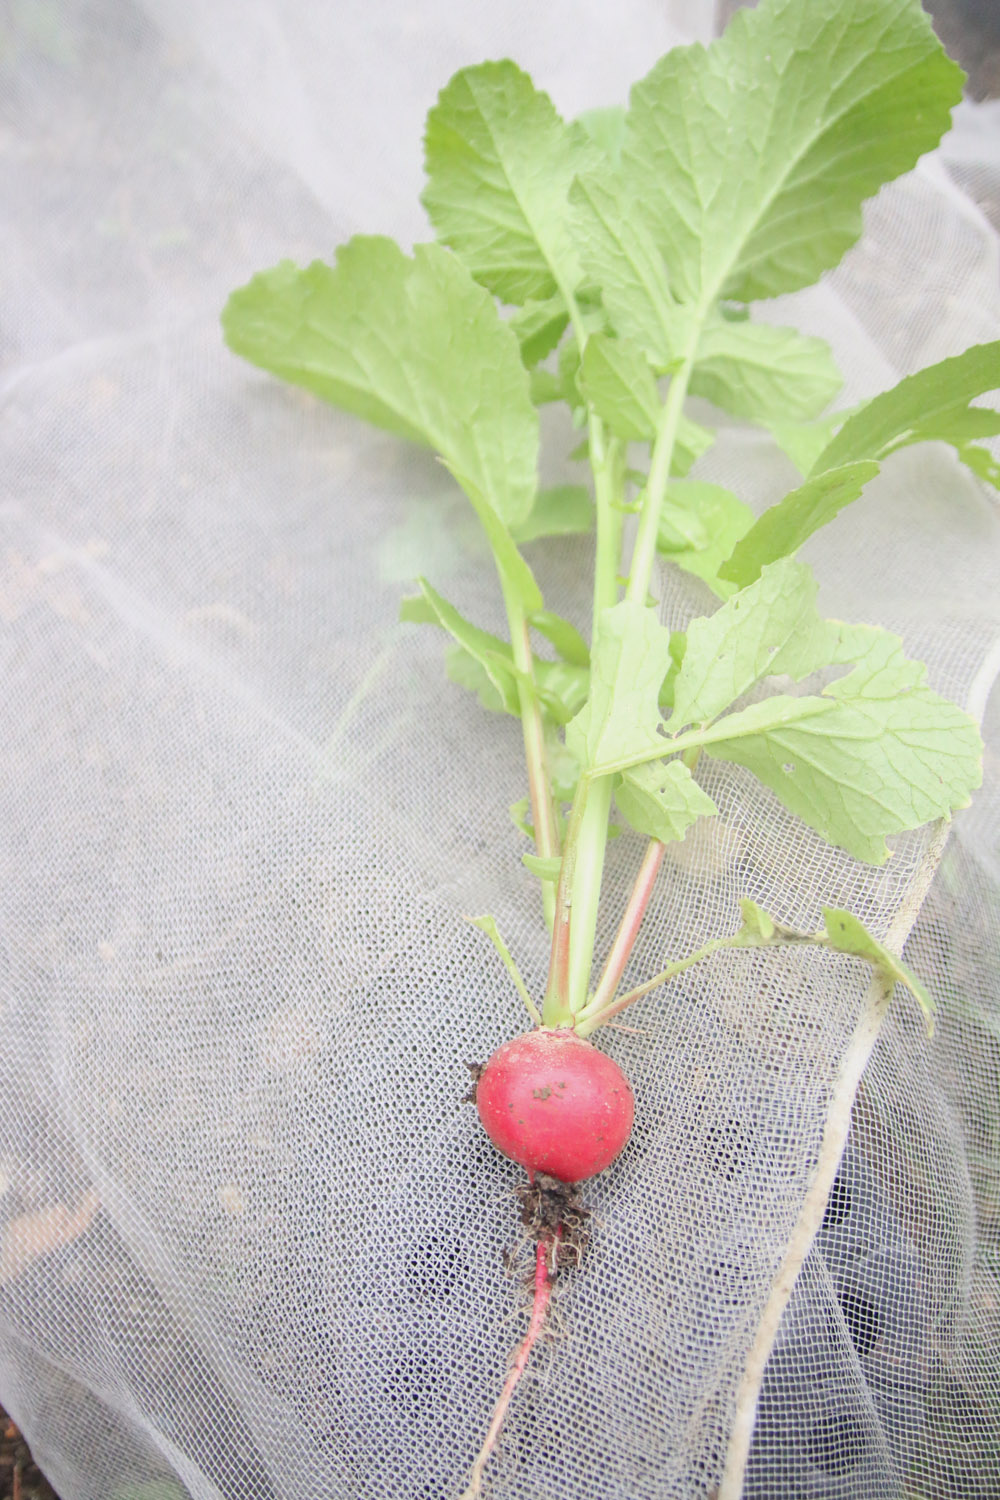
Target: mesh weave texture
[250, 1241]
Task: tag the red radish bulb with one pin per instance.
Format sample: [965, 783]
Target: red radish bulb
[556, 1104]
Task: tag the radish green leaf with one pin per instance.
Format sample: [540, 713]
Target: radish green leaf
[619, 254]
[563, 635]
[485, 662]
[500, 162]
[803, 442]
[414, 346]
[885, 754]
[751, 158]
[783, 528]
[539, 327]
[700, 525]
[768, 628]
[848, 935]
[617, 380]
[560, 510]
[759, 371]
[489, 652]
[629, 660]
[932, 404]
[661, 800]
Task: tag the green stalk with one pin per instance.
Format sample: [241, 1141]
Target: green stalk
[644, 552]
[569, 966]
[608, 462]
[536, 760]
[488, 925]
[556, 1010]
[590, 848]
[586, 888]
[543, 814]
[590, 831]
[596, 1014]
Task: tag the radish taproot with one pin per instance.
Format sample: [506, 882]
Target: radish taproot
[563, 1110]
[555, 1104]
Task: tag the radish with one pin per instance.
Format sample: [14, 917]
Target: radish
[554, 1103]
[563, 1110]
[601, 263]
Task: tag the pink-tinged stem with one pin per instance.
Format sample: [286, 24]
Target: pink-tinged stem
[539, 792]
[628, 931]
[543, 1294]
[556, 1007]
[557, 989]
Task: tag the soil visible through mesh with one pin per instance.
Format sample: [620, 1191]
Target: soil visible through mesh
[20, 1478]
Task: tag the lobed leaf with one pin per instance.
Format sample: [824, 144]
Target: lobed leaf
[751, 158]
[771, 627]
[414, 346]
[932, 404]
[619, 254]
[762, 372]
[661, 799]
[562, 688]
[484, 662]
[981, 462]
[759, 926]
[500, 162]
[783, 528]
[563, 635]
[468, 672]
[489, 652]
[630, 658]
[617, 380]
[700, 524]
[848, 935]
[881, 754]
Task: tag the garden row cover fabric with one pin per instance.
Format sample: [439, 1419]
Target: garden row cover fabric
[250, 1239]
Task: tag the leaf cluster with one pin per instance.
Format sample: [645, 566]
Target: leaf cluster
[874, 752]
[614, 264]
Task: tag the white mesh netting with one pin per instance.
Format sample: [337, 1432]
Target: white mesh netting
[251, 1240]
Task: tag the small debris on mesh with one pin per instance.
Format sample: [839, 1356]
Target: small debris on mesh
[476, 1069]
[547, 1205]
